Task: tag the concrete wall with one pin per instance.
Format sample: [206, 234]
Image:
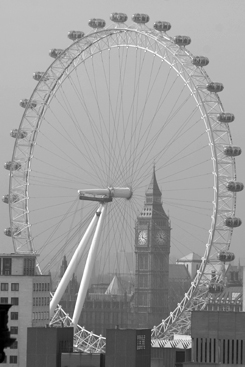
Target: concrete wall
[128, 347]
[218, 337]
[45, 345]
[82, 360]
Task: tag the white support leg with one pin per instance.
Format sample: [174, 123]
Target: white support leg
[73, 264]
[88, 268]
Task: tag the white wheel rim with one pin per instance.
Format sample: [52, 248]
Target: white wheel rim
[208, 105]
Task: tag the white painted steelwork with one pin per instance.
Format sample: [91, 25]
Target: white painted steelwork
[72, 267]
[141, 40]
[114, 192]
[89, 266]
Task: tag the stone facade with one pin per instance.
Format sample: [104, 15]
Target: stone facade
[29, 295]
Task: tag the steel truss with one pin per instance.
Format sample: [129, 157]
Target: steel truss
[159, 44]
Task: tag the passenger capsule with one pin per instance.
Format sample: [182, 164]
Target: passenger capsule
[232, 151]
[140, 18]
[55, 52]
[234, 186]
[119, 17]
[12, 232]
[12, 198]
[215, 87]
[232, 222]
[75, 35]
[182, 40]
[225, 117]
[14, 166]
[162, 26]
[225, 256]
[215, 288]
[200, 61]
[39, 75]
[96, 23]
[26, 103]
[18, 133]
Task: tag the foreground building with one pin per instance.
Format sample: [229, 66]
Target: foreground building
[29, 294]
[217, 338]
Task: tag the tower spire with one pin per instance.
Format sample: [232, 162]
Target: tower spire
[153, 189]
[152, 235]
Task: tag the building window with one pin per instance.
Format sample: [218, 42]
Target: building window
[14, 345]
[143, 281]
[14, 286]
[29, 266]
[143, 262]
[149, 200]
[13, 359]
[142, 299]
[7, 265]
[13, 329]
[4, 287]
[3, 300]
[15, 301]
[180, 356]
[14, 315]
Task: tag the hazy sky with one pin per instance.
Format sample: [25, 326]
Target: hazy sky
[29, 29]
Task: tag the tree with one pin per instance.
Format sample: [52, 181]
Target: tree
[5, 340]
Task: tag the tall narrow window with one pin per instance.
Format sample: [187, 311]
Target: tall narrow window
[7, 265]
[29, 266]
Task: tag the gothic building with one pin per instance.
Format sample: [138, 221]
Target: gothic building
[152, 248]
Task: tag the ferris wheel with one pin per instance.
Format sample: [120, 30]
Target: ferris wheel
[112, 105]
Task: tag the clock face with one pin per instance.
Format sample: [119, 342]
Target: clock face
[161, 237]
[142, 237]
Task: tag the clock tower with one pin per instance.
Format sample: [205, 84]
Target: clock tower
[152, 248]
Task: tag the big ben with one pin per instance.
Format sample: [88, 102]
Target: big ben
[152, 248]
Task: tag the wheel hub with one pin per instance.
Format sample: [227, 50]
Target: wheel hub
[105, 195]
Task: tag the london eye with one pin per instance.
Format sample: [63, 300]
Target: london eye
[116, 102]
